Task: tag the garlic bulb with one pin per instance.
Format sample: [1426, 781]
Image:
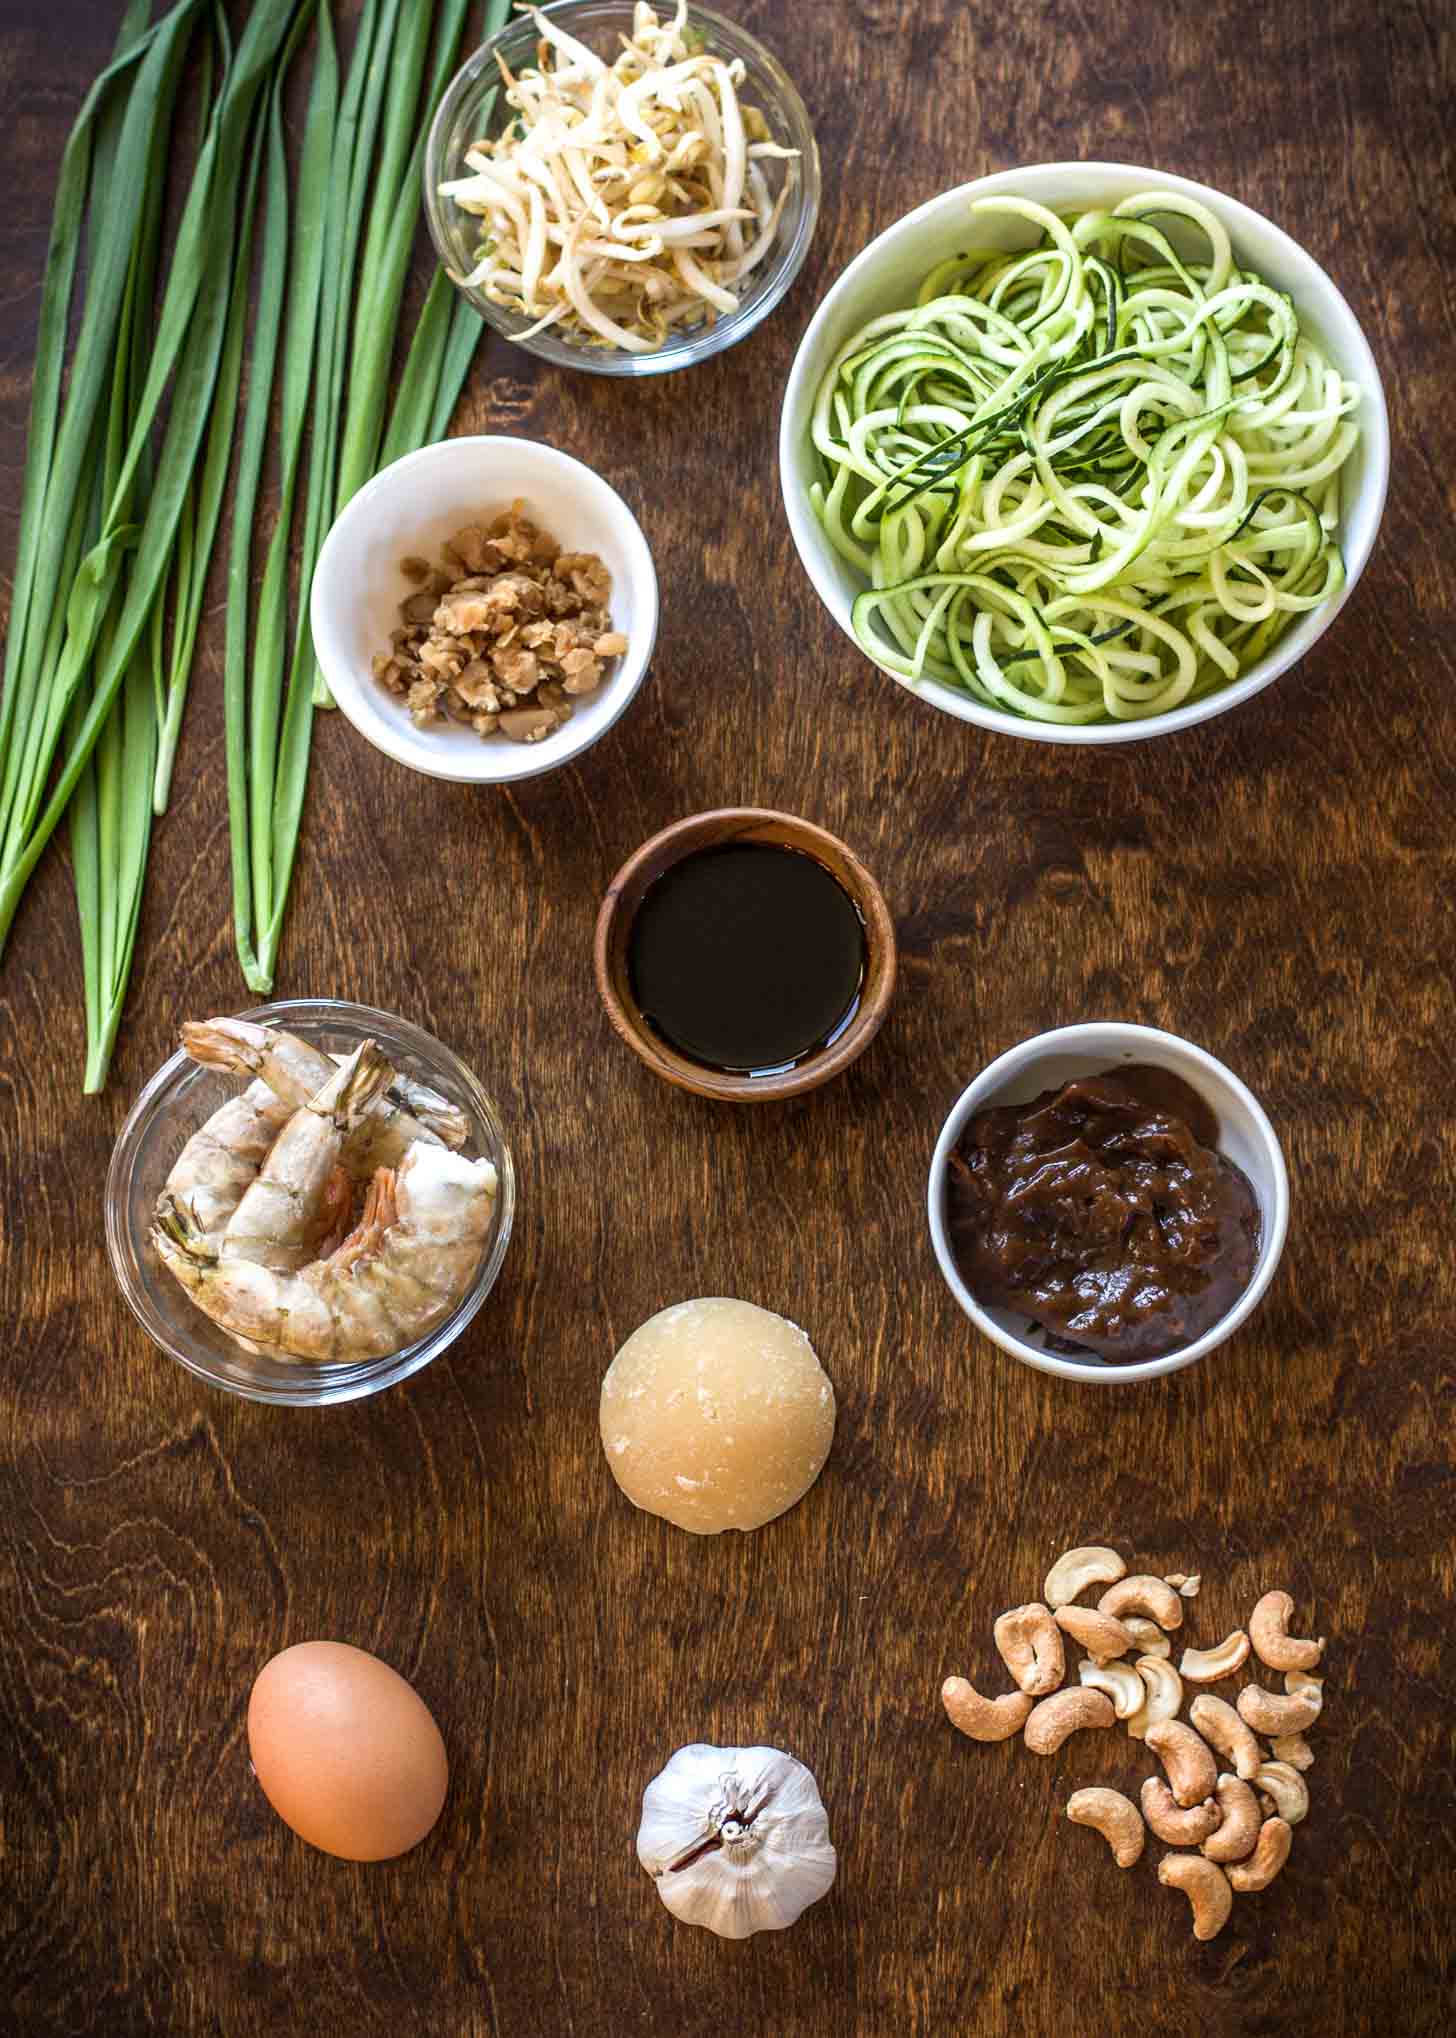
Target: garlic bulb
[736, 1838]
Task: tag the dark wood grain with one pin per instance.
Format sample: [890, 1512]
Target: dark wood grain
[1275, 885]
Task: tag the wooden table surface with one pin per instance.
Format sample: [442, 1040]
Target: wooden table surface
[1274, 885]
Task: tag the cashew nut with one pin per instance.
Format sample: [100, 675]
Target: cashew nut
[1031, 1648]
[1065, 1712]
[1178, 1827]
[1165, 1695]
[1273, 1643]
[1269, 1856]
[1207, 1666]
[1300, 1684]
[1206, 1887]
[1238, 1828]
[1099, 1634]
[1148, 1636]
[1269, 1714]
[1151, 1596]
[1119, 1680]
[1187, 1585]
[1115, 1817]
[1295, 1750]
[1288, 1789]
[1187, 1757]
[1075, 1570]
[984, 1719]
[1222, 1728]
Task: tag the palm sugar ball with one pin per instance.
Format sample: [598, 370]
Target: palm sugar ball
[716, 1414]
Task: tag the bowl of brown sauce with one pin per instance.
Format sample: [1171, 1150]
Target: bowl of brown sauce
[745, 955]
[1108, 1202]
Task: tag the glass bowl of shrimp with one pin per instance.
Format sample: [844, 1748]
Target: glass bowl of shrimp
[395, 1156]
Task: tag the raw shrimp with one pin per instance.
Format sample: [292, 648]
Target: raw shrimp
[294, 1200]
[297, 1071]
[401, 1272]
[223, 1157]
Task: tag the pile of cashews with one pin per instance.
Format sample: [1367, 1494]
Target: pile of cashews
[1240, 1820]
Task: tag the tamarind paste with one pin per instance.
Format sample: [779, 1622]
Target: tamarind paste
[1103, 1212]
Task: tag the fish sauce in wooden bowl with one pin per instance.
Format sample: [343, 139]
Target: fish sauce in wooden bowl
[748, 957]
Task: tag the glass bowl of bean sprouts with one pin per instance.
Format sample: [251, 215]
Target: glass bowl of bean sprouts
[774, 177]
[179, 1097]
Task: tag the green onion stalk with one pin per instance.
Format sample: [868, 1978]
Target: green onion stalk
[129, 454]
[359, 191]
[114, 167]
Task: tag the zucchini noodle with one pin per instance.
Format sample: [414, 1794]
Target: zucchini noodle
[1089, 480]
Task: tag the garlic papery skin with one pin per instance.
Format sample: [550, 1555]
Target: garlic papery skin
[737, 1839]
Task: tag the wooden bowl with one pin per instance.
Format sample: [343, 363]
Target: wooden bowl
[705, 831]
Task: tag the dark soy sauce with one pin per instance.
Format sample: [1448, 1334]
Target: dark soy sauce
[747, 958]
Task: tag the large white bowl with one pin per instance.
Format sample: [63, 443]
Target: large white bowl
[413, 507]
[1245, 1137]
[886, 276]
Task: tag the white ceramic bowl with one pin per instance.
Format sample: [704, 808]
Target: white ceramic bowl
[413, 507]
[1245, 1136]
[886, 276]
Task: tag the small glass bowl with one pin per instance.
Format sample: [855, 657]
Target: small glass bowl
[462, 119]
[166, 1114]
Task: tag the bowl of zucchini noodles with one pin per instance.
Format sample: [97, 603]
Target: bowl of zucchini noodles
[1084, 452]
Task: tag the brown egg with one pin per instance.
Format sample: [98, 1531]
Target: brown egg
[347, 1752]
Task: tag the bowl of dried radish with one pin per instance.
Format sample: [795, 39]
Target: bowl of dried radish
[697, 155]
[446, 595]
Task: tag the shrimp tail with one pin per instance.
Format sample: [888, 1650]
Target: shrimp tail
[380, 1209]
[334, 1209]
[236, 1044]
[176, 1223]
[378, 1214]
[434, 1112]
[356, 1086]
